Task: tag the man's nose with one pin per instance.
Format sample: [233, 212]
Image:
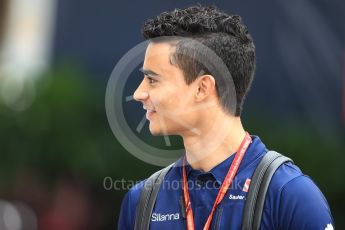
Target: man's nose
[140, 93]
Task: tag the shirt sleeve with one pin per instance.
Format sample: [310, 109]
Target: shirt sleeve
[302, 206]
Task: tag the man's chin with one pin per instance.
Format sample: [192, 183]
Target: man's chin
[158, 132]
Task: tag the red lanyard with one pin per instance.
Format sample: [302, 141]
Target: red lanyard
[223, 189]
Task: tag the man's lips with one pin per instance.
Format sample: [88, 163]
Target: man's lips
[149, 112]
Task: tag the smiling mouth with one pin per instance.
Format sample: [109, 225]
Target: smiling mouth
[149, 114]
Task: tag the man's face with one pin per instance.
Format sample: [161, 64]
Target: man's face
[164, 93]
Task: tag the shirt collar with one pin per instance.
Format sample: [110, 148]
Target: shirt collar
[219, 171]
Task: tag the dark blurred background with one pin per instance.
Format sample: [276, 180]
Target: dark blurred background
[58, 156]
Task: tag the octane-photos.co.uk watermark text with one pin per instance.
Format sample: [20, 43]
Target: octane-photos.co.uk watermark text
[125, 185]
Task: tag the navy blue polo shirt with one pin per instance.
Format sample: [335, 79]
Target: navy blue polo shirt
[293, 200]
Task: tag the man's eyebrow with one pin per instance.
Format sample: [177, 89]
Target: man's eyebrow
[148, 72]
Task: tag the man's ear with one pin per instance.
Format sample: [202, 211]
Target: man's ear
[206, 86]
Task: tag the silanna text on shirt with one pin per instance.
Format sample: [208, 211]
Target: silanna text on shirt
[157, 217]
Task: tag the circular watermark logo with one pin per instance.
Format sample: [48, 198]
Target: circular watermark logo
[117, 98]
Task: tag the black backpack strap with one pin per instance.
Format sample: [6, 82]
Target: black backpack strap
[148, 198]
[258, 188]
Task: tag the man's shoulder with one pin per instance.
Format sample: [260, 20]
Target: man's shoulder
[288, 176]
[137, 188]
[128, 206]
[296, 200]
[291, 183]
[132, 197]
[134, 193]
[286, 173]
[290, 180]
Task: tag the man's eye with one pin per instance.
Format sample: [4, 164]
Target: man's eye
[151, 80]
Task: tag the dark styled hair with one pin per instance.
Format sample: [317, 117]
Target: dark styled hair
[224, 34]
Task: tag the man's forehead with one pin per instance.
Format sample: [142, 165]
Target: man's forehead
[159, 60]
[159, 55]
[159, 50]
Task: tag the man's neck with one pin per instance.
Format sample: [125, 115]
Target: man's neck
[209, 148]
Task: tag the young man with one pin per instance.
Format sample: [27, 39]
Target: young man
[185, 95]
